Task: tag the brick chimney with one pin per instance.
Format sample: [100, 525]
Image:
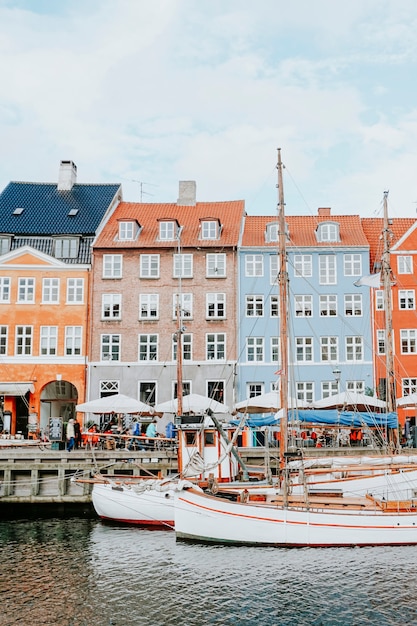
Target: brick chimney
[67, 175]
[324, 211]
[187, 193]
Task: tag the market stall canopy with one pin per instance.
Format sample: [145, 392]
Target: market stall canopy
[267, 403]
[16, 389]
[193, 403]
[117, 403]
[346, 399]
[410, 400]
[333, 417]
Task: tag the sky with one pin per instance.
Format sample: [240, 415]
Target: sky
[150, 92]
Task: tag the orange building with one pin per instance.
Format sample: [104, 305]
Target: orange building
[46, 233]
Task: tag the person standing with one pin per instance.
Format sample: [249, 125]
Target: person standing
[77, 433]
[70, 435]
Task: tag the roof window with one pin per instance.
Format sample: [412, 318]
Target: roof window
[18, 210]
[72, 212]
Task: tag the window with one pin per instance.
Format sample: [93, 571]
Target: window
[328, 232]
[275, 354]
[186, 342]
[50, 290]
[111, 306]
[352, 265]
[303, 265]
[254, 389]
[406, 299]
[75, 290]
[216, 265]
[126, 231]
[4, 245]
[147, 392]
[108, 388]
[354, 348]
[303, 306]
[379, 300]
[304, 349]
[148, 347]
[408, 341]
[274, 310]
[4, 289]
[215, 346]
[405, 264]
[305, 391]
[183, 265]
[327, 269]
[167, 231]
[110, 347]
[112, 265]
[66, 248]
[329, 348]
[49, 340]
[356, 386]
[73, 338]
[353, 304]
[254, 306]
[209, 229]
[273, 269]
[23, 340]
[186, 389]
[328, 305]
[380, 341]
[4, 332]
[329, 388]
[149, 265]
[185, 302]
[409, 386]
[26, 293]
[148, 306]
[215, 390]
[254, 349]
[272, 232]
[254, 265]
[215, 305]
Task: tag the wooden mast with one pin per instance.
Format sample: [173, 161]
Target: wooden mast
[283, 312]
[180, 330]
[386, 281]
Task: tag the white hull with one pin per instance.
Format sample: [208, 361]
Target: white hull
[200, 517]
[134, 504]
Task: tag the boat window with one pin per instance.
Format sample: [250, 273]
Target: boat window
[191, 438]
[209, 438]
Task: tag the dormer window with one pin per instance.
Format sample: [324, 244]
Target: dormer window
[128, 230]
[4, 244]
[168, 230]
[210, 229]
[328, 231]
[272, 232]
[66, 248]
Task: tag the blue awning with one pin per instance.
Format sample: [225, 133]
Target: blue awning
[331, 417]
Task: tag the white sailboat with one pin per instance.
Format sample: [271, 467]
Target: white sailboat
[307, 518]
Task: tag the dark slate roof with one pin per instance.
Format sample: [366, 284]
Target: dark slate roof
[46, 245]
[45, 209]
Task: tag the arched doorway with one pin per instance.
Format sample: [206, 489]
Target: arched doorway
[58, 399]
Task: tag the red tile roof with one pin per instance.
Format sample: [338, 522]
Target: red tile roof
[229, 214]
[302, 230]
[373, 227]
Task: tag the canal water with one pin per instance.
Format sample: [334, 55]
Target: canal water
[78, 571]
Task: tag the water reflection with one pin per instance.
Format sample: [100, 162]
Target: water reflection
[76, 572]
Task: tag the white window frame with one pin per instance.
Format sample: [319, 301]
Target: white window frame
[381, 341]
[254, 305]
[186, 344]
[328, 231]
[273, 269]
[110, 347]
[275, 350]
[4, 339]
[408, 340]
[274, 306]
[167, 231]
[148, 347]
[4, 245]
[327, 269]
[406, 299]
[126, 231]
[405, 264]
[379, 300]
[66, 247]
[216, 265]
[329, 388]
[183, 266]
[303, 305]
[303, 265]
[149, 266]
[304, 349]
[75, 291]
[24, 340]
[50, 290]
[26, 290]
[215, 305]
[5, 285]
[409, 386]
[353, 305]
[305, 391]
[112, 265]
[354, 348]
[109, 387]
[48, 341]
[352, 264]
[328, 305]
[254, 265]
[329, 349]
[73, 340]
[255, 349]
[355, 386]
[215, 346]
[186, 305]
[209, 229]
[149, 306]
[111, 306]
